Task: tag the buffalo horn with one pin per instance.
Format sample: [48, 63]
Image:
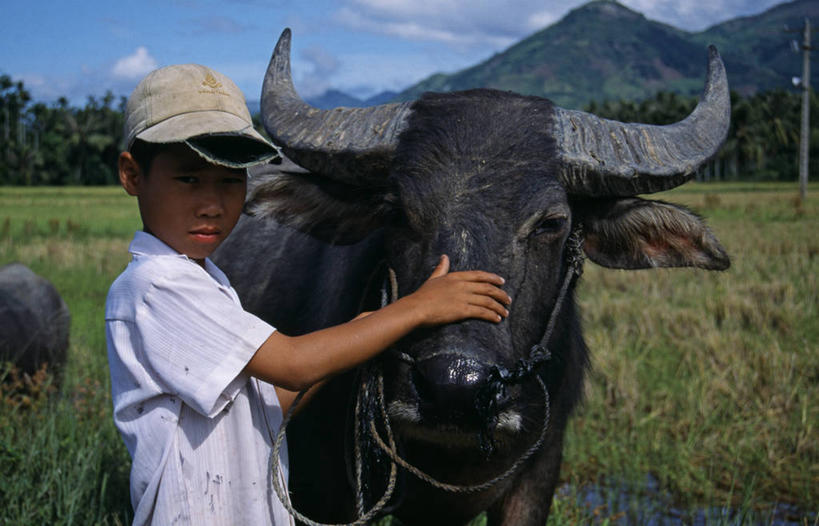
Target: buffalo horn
[603, 157]
[351, 145]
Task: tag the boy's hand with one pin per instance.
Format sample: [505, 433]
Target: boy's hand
[448, 297]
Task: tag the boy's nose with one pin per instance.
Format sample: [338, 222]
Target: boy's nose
[210, 203]
[210, 211]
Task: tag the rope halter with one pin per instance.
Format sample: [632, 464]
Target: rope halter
[486, 403]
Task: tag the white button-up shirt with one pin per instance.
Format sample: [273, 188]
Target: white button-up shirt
[198, 430]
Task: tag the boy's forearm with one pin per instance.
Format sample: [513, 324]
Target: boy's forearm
[297, 362]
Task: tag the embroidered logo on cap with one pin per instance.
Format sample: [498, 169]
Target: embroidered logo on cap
[214, 85]
[211, 82]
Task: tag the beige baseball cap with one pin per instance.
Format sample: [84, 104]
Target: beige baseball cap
[198, 106]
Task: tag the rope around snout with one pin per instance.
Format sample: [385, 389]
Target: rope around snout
[487, 398]
[390, 448]
[455, 488]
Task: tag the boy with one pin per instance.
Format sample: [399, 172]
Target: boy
[195, 378]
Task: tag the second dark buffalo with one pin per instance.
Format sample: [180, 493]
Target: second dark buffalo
[34, 320]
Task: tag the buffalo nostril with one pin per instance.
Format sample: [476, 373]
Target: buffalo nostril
[447, 386]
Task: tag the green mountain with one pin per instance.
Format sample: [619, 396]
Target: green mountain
[604, 50]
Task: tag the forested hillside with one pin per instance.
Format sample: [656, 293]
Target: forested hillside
[603, 50]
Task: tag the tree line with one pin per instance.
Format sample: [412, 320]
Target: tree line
[61, 144]
[58, 144]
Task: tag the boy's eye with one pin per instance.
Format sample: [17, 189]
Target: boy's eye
[235, 176]
[187, 179]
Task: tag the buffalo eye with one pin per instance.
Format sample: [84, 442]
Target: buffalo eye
[549, 226]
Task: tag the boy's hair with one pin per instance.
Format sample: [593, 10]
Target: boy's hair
[145, 152]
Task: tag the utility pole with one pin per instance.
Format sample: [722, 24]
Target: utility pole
[804, 83]
[804, 141]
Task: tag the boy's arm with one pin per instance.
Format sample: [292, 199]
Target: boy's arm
[297, 362]
[286, 397]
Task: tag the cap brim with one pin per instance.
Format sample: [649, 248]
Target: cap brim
[221, 138]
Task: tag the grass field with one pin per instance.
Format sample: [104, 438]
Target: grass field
[703, 403]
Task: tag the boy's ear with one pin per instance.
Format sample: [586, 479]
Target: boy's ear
[633, 233]
[130, 175]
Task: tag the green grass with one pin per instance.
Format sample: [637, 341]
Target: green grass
[62, 459]
[710, 381]
[81, 211]
[707, 382]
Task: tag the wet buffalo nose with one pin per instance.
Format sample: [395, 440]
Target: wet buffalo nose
[447, 385]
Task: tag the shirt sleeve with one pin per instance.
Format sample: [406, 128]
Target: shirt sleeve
[198, 340]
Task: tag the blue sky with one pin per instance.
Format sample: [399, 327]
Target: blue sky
[75, 49]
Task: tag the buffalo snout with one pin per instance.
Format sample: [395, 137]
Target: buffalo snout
[448, 385]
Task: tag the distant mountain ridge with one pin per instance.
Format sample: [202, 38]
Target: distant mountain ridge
[603, 50]
[598, 51]
[334, 98]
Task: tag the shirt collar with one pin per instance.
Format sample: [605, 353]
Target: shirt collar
[145, 244]
[216, 273]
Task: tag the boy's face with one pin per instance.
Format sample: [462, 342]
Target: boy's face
[188, 203]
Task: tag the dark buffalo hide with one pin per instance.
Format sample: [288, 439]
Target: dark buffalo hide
[34, 320]
[498, 181]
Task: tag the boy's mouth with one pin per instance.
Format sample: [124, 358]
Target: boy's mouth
[205, 235]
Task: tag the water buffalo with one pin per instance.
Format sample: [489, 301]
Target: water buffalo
[500, 182]
[34, 320]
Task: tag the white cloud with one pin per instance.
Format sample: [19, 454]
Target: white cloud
[367, 73]
[323, 62]
[462, 31]
[136, 65]
[76, 86]
[433, 8]
[491, 24]
[540, 19]
[495, 24]
[694, 15]
[315, 68]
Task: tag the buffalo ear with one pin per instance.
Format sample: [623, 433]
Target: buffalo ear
[334, 212]
[633, 233]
